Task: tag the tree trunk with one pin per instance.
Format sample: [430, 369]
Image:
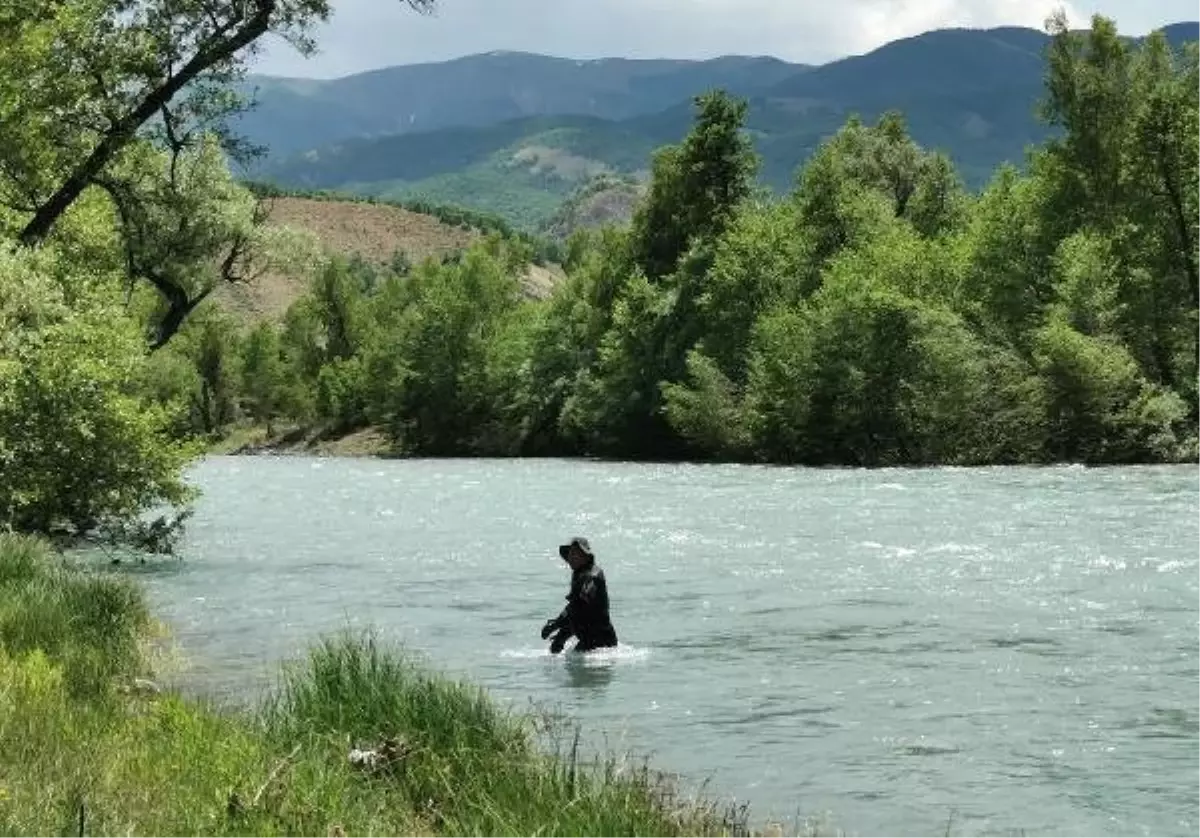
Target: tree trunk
[222, 46]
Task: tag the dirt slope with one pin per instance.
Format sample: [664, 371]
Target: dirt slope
[373, 231]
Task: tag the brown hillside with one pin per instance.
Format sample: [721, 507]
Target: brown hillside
[373, 231]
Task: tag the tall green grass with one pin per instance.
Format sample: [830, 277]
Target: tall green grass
[472, 768]
[81, 754]
[89, 624]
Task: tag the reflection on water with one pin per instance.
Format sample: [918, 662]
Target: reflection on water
[1014, 646]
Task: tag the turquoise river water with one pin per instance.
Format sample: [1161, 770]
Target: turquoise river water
[992, 651]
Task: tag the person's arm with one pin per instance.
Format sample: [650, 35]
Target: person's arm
[556, 624]
[562, 621]
[561, 627]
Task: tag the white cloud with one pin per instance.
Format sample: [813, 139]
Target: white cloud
[879, 22]
[367, 34]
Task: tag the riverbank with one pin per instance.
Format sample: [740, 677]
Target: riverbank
[89, 744]
[316, 441]
[304, 440]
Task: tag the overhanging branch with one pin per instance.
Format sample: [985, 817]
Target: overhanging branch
[222, 45]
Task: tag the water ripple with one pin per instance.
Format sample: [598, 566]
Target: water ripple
[1015, 645]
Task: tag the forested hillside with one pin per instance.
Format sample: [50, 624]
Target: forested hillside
[517, 134]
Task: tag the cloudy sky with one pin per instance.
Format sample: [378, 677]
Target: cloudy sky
[367, 34]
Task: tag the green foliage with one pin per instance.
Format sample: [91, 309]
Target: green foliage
[565, 339]
[834, 384]
[1087, 288]
[756, 267]
[264, 375]
[1008, 282]
[1127, 169]
[695, 187]
[187, 228]
[82, 445]
[708, 412]
[615, 405]
[1099, 406]
[216, 359]
[131, 100]
[83, 82]
[340, 392]
[88, 626]
[456, 320]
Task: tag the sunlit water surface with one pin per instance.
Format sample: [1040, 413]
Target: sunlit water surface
[998, 650]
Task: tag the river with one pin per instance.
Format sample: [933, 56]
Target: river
[984, 651]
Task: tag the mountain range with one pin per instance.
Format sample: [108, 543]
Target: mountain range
[517, 133]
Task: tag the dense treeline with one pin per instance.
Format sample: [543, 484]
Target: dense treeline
[878, 315]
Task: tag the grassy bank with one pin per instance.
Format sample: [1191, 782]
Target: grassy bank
[88, 747]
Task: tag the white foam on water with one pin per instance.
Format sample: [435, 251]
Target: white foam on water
[596, 657]
[956, 547]
[1172, 565]
[615, 654]
[525, 653]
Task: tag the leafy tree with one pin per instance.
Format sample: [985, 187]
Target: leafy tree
[1010, 248]
[1126, 169]
[187, 228]
[94, 94]
[565, 340]
[1087, 284]
[1166, 156]
[695, 187]
[264, 375]
[834, 211]
[211, 344]
[880, 160]
[709, 412]
[615, 407]
[878, 316]
[80, 79]
[83, 447]
[756, 267]
[454, 344]
[1088, 95]
[1098, 403]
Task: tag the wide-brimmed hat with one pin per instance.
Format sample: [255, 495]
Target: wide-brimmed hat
[578, 541]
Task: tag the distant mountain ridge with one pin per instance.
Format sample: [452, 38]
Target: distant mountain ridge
[299, 114]
[517, 133]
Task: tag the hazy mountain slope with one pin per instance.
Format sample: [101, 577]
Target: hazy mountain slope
[970, 93]
[298, 114]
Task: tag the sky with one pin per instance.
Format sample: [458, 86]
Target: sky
[369, 34]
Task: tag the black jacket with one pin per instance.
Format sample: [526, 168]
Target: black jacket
[586, 614]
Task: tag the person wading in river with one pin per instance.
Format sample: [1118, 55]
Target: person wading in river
[586, 614]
